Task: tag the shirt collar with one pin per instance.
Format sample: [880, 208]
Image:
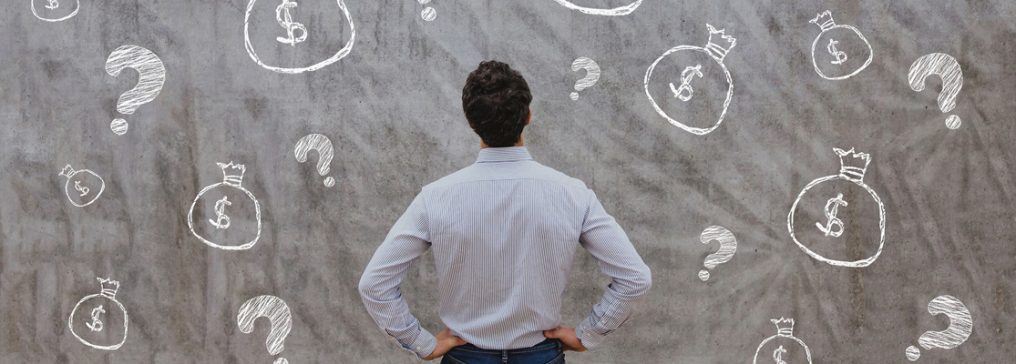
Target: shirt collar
[505, 154]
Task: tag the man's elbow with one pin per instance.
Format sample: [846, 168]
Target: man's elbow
[642, 281]
[368, 289]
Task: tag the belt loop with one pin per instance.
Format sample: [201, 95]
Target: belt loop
[504, 356]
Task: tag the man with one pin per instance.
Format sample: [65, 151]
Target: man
[504, 232]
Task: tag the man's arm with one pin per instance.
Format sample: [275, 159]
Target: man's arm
[630, 277]
[379, 285]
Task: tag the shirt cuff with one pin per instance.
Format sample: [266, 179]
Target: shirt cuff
[589, 338]
[423, 345]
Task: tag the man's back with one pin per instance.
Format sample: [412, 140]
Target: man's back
[503, 232]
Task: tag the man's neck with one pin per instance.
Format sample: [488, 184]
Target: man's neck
[520, 143]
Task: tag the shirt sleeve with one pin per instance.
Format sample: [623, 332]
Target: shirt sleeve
[379, 285]
[617, 258]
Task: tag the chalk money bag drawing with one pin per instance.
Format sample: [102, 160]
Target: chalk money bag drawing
[617, 11]
[226, 215]
[839, 51]
[838, 219]
[296, 36]
[99, 320]
[55, 10]
[782, 348]
[83, 186]
[690, 86]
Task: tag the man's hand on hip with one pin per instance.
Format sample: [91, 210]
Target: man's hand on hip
[445, 342]
[566, 334]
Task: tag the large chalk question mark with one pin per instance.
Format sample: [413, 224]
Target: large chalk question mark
[960, 327]
[728, 245]
[323, 146]
[151, 76]
[276, 310]
[592, 75]
[946, 67]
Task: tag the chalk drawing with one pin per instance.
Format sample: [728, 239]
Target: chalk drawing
[853, 166]
[691, 59]
[323, 146]
[295, 32]
[946, 67]
[104, 322]
[277, 313]
[728, 246]
[618, 11]
[592, 75]
[961, 324]
[428, 13]
[151, 77]
[83, 186]
[828, 54]
[782, 348]
[228, 225]
[55, 10]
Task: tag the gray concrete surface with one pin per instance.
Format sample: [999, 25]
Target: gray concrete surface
[392, 110]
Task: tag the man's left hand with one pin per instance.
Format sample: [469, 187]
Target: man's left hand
[445, 342]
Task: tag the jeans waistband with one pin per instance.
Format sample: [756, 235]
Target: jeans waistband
[549, 344]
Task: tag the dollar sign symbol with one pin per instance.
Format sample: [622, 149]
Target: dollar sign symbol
[685, 92]
[286, 21]
[220, 214]
[778, 355]
[841, 56]
[80, 188]
[52, 4]
[96, 324]
[831, 209]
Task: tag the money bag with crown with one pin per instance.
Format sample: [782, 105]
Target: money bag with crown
[690, 86]
[83, 186]
[839, 51]
[99, 320]
[838, 219]
[226, 215]
[782, 348]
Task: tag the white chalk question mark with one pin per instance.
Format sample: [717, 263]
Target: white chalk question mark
[592, 75]
[151, 76]
[960, 327]
[728, 245]
[946, 67]
[276, 311]
[323, 146]
[428, 13]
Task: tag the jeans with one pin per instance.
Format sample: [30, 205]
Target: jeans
[549, 351]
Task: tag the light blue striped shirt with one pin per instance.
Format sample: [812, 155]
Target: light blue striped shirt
[504, 232]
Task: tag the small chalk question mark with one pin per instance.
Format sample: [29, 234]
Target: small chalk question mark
[728, 245]
[961, 324]
[323, 146]
[592, 75]
[946, 67]
[151, 76]
[276, 311]
[428, 13]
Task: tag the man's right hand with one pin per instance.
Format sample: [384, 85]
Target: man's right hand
[568, 338]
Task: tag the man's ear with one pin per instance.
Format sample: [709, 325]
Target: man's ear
[529, 117]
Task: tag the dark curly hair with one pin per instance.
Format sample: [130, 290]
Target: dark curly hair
[496, 102]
